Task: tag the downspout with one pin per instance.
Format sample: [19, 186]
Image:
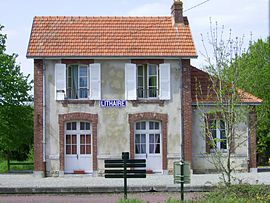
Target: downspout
[44, 118]
[181, 114]
[249, 146]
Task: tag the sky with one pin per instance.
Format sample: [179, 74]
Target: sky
[243, 17]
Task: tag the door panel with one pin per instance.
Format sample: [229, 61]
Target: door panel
[78, 149]
[148, 144]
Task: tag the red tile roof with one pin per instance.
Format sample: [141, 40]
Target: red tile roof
[200, 83]
[109, 36]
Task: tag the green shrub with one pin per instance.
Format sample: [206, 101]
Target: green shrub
[241, 193]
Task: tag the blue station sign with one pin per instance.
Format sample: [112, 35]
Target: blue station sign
[112, 103]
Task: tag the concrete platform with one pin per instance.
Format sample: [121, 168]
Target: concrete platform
[84, 184]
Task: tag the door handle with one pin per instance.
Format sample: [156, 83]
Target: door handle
[146, 155]
[77, 156]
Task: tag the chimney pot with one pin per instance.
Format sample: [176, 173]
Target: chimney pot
[177, 12]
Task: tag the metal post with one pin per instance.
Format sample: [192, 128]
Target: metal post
[182, 179]
[8, 164]
[125, 156]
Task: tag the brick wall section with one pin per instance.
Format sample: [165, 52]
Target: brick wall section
[163, 118]
[38, 115]
[92, 118]
[187, 111]
[252, 127]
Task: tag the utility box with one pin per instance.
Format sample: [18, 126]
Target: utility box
[177, 172]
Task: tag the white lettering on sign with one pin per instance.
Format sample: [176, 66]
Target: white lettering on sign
[112, 103]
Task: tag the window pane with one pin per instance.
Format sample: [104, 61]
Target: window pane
[151, 125]
[68, 149]
[138, 126]
[68, 139]
[88, 149]
[137, 149]
[74, 127]
[157, 125]
[82, 139]
[74, 139]
[143, 125]
[213, 133]
[140, 70]
[151, 148]
[83, 71]
[74, 149]
[153, 81]
[152, 69]
[82, 125]
[223, 144]
[68, 126]
[152, 92]
[87, 126]
[140, 81]
[137, 138]
[74, 82]
[222, 134]
[222, 124]
[83, 82]
[140, 92]
[83, 92]
[157, 138]
[88, 139]
[143, 148]
[151, 138]
[157, 149]
[82, 149]
[143, 138]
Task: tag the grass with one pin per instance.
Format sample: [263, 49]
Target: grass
[243, 193]
[4, 166]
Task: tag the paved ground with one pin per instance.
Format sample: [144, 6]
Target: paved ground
[96, 198]
[28, 180]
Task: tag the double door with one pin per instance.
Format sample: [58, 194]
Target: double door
[148, 144]
[78, 147]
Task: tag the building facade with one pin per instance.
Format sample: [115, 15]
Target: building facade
[105, 85]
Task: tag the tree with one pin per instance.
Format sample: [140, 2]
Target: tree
[227, 113]
[254, 77]
[16, 112]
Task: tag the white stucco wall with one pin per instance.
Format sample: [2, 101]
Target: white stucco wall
[113, 128]
[201, 160]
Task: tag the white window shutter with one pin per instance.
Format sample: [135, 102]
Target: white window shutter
[130, 81]
[165, 81]
[60, 81]
[95, 81]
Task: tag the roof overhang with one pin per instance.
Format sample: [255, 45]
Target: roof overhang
[111, 57]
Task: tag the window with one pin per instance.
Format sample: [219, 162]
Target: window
[147, 81]
[77, 82]
[147, 137]
[217, 134]
[78, 138]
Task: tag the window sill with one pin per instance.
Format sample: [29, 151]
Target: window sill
[66, 102]
[148, 101]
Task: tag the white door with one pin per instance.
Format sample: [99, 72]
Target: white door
[78, 147]
[148, 144]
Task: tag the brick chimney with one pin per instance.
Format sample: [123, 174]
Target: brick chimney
[177, 12]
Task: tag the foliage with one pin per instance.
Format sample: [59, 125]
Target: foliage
[254, 77]
[130, 201]
[222, 65]
[245, 192]
[16, 113]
